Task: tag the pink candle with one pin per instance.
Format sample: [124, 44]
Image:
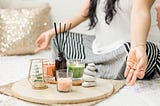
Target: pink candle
[64, 84]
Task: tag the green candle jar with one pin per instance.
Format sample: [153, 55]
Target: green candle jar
[76, 67]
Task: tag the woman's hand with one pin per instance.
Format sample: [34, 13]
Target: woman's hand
[136, 64]
[43, 41]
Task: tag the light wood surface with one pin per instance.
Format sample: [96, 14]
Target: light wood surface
[23, 90]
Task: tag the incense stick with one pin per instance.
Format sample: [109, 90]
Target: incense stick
[66, 36]
[64, 30]
[60, 43]
[57, 37]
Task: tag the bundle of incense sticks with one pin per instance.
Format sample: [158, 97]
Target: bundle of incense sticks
[60, 45]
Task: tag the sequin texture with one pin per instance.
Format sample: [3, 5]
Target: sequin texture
[19, 28]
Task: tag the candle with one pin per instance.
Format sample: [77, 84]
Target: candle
[77, 68]
[64, 81]
[64, 84]
[39, 84]
[49, 70]
[36, 75]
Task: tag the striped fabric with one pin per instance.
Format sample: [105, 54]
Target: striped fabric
[111, 65]
[158, 63]
[71, 45]
[153, 54]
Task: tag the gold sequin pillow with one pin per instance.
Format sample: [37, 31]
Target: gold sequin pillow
[19, 28]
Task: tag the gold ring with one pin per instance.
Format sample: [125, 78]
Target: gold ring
[131, 70]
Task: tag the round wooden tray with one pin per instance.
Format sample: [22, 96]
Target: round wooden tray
[79, 94]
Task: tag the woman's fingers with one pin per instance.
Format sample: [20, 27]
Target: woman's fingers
[141, 74]
[130, 65]
[39, 40]
[142, 64]
[130, 74]
[134, 78]
[37, 50]
[141, 67]
[126, 71]
[41, 46]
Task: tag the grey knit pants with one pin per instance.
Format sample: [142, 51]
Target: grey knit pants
[110, 65]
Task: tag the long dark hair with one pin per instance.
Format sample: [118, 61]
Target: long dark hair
[109, 10]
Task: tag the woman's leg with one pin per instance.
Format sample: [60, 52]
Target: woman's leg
[110, 65]
[158, 63]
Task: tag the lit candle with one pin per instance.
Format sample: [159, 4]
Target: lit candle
[64, 84]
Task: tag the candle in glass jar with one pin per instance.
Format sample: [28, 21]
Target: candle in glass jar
[49, 70]
[64, 84]
[76, 68]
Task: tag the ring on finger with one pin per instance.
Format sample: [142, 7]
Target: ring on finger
[131, 70]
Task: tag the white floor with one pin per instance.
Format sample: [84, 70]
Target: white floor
[13, 68]
[144, 93]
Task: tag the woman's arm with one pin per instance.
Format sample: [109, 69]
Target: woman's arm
[140, 21]
[158, 13]
[75, 20]
[44, 39]
[140, 25]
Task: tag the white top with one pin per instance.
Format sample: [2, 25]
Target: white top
[110, 37]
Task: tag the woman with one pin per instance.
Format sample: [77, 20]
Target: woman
[158, 12]
[123, 21]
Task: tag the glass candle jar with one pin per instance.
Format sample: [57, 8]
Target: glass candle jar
[49, 70]
[64, 81]
[36, 74]
[76, 67]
